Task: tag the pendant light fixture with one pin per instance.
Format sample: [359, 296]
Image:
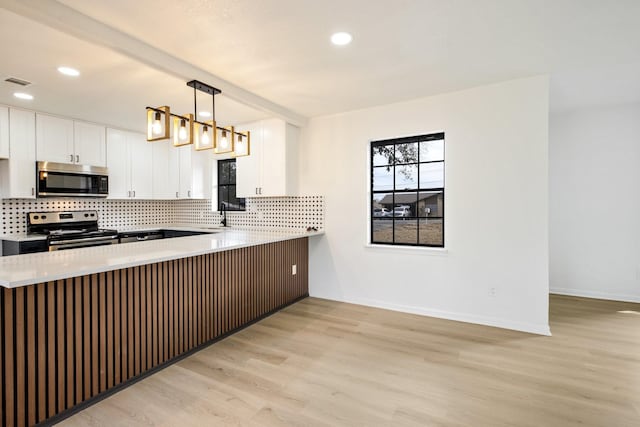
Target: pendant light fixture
[158, 123]
[187, 130]
[183, 130]
[225, 140]
[241, 144]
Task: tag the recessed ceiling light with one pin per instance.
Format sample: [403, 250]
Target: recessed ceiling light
[341, 38]
[22, 95]
[204, 114]
[68, 71]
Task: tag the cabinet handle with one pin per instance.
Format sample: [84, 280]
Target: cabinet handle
[176, 194]
[188, 193]
[129, 193]
[33, 191]
[256, 190]
[134, 193]
[77, 158]
[260, 190]
[71, 158]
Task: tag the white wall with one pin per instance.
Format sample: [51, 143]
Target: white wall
[595, 203]
[496, 140]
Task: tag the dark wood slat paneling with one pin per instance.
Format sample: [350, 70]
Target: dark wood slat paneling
[41, 303]
[70, 340]
[77, 337]
[9, 373]
[31, 354]
[66, 341]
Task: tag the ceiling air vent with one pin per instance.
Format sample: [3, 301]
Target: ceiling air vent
[17, 81]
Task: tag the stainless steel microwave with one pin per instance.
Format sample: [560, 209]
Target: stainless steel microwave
[65, 180]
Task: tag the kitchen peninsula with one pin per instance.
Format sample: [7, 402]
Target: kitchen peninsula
[82, 323]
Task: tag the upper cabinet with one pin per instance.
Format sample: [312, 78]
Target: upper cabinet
[4, 132]
[166, 167]
[89, 143]
[195, 180]
[18, 174]
[271, 168]
[68, 141]
[130, 165]
[54, 139]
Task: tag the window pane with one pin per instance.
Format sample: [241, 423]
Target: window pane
[431, 232]
[405, 205]
[432, 150]
[223, 195]
[383, 178]
[406, 153]
[382, 205]
[223, 173]
[407, 177]
[234, 202]
[430, 203]
[232, 172]
[382, 155]
[432, 175]
[382, 231]
[406, 231]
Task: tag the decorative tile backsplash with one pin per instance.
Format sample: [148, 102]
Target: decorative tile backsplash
[297, 212]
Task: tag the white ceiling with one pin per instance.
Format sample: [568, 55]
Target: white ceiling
[112, 89]
[280, 50]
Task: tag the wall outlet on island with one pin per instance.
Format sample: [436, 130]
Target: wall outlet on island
[294, 269]
[492, 291]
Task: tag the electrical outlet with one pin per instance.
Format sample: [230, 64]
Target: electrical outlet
[294, 269]
[492, 292]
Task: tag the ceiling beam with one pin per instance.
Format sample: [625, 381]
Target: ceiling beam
[68, 20]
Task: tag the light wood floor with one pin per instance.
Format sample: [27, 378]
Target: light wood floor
[326, 363]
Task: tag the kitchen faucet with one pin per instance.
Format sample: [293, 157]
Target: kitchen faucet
[223, 209]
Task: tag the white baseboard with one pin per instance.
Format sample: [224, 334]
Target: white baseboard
[449, 315]
[595, 294]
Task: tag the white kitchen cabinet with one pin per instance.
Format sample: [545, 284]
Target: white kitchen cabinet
[18, 173]
[54, 139]
[195, 173]
[165, 174]
[4, 132]
[89, 143]
[129, 159]
[67, 141]
[271, 168]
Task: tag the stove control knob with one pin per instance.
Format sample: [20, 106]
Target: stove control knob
[93, 214]
[36, 217]
[86, 215]
[44, 217]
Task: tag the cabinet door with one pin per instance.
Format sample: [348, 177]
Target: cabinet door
[165, 174]
[54, 139]
[118, 164]
[141, 166]
[273, 158]
[90, 147]
[248, 168]
[185, 180]
[4, 132]
[22, 163]
[201, 182]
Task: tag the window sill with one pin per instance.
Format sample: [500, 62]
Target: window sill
[425, 250]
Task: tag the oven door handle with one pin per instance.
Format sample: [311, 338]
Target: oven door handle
[85, 240]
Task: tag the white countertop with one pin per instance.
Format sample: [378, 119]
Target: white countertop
[22, 270]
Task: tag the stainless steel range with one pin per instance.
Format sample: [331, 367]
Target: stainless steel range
[67, 230]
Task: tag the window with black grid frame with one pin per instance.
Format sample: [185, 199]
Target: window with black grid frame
[407, 191]
[227, 186]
